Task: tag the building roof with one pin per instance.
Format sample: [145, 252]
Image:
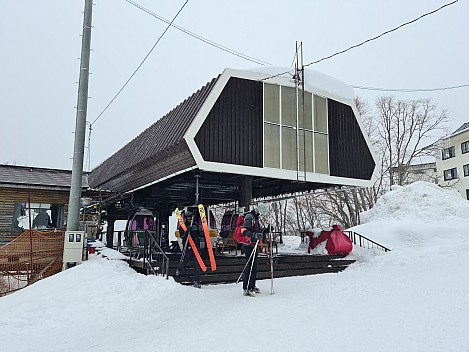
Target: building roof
[464, 127]
[137, 162]
[216, 136]
[13, 176]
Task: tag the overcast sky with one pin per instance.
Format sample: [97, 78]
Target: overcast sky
[40, 48]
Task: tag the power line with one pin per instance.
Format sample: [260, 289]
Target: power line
[368, 40]
[145, 58]
[411, 90]
[382, 34]
[199, 37]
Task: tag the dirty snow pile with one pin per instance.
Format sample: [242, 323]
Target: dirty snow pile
[414, 298]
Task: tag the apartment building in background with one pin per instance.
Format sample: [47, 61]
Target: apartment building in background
[452, 161]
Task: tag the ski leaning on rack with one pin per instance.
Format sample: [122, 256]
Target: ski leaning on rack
[203, 218]
[191, 241]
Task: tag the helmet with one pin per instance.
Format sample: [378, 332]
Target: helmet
[188, 214]
[248, 221]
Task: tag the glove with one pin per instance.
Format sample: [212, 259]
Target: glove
[257, 236]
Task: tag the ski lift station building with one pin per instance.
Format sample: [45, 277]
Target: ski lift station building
[243, 135]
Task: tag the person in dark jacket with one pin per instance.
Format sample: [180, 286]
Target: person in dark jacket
[196, 233]
[251, 231]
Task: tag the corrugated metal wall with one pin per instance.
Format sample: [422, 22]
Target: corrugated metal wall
[232, 132]
[349, 155]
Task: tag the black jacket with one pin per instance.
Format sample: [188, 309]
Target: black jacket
[194, 231]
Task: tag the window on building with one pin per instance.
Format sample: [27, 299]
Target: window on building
[448, 153]
[288, 148]
[467, 194]
[41, 216]
[466, 169]
[290, 141]
[450, 174]
[465, 147]
[321, 139]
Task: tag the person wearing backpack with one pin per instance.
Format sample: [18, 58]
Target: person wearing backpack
[250, 234]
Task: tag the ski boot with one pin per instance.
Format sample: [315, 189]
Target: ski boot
[249, 293]
[197, 284]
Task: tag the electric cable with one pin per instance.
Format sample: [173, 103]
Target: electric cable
[145, 58]
[370, 39]
[382, 34]
[411, 90]
[199, 37]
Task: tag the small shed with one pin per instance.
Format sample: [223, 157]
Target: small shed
[32, 195]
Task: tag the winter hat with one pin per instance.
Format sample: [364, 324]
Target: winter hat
[188, 214]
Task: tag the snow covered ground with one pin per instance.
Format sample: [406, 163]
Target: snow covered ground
[415, 298]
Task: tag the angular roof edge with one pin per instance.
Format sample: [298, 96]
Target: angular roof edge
[160, 136]
[464, 127]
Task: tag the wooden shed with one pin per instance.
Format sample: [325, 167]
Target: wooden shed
[32, 195]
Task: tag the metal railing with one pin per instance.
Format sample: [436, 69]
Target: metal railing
[153, 252]
[148, 251]
[364, 242]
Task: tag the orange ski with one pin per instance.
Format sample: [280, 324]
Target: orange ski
[196, 253]
[203, 218]
[191, 241]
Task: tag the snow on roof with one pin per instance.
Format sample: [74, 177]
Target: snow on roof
[313, 79]
[464, 127]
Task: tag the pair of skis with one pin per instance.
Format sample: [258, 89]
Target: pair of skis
[203, 218]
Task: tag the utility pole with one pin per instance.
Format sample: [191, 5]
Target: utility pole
[80, 127]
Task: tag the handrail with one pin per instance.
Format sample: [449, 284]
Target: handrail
[362, 240]
[148, 250]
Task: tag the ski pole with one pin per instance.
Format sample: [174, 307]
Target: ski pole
[245, 265]
[252, 262]
[271, 235]
[184, 251]
[185, 244]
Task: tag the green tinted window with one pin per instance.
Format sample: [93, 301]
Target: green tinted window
[271, 145]
[288, 148]
[320, 114]
[271, 103]
[288, 106]
[321, 153]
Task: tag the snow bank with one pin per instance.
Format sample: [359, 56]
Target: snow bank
[420, 200]
[418, 215]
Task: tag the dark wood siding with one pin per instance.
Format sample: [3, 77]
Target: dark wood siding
[232, 131]
[10, 197]
[349, 155]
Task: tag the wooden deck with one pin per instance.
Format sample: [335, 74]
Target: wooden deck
[230, 267]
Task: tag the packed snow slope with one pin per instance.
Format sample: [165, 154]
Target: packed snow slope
[414, 298]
